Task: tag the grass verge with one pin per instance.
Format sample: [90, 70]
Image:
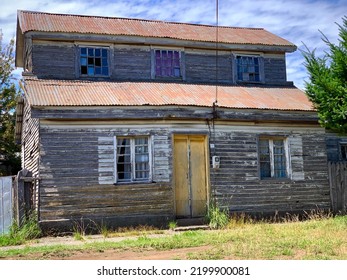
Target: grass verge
[312, 239]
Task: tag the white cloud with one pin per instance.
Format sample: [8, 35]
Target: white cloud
[295, 20]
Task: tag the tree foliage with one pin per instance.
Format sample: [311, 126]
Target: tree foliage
[9, 158]
[327, 87]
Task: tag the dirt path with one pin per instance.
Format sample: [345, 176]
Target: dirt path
[175, 254]
[109, 254]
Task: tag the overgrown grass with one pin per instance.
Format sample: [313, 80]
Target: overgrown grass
[216, 217]
[20, 234]
[315, 238]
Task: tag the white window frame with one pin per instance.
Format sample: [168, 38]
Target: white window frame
[132, 156]
[261, 67]
[272, 158]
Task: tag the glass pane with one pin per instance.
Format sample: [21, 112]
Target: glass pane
[344, 152]
[104, 53]
[142, 175]
[123, 150]
[141, 149]
[90, 52]
[163, 55]
[139, 141]
[105, 71]
[142, 166]
[97, 70]
[141, 158]
[177, 72]
[97, 52]
[104, 62]
[123, 141]
[265, 170]
[83, 61]
[264, 156]
[91, 71]
[83, 51]
[279, 159]
[124, 176]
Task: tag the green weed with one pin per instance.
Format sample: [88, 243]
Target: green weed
[217, 218]
[20, 234]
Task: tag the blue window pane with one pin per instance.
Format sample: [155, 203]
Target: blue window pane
[97, 71]
[83, 51]
[90, 52]
[83, 61]
[104, 52]
[97, 52]
[105, 71]
[91, 71]
[265, 171]
[104, 62]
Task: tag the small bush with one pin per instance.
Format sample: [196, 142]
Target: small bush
[217, 218]
[172, 225]
[20, 234]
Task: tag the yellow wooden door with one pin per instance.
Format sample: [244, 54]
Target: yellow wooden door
[190, 175]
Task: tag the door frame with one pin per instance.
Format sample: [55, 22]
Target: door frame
[178, 135]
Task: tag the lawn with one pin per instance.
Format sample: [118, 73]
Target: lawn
[312, 239]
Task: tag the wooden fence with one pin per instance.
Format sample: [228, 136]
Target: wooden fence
[338, 186]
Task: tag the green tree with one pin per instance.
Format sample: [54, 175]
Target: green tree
[327, 85]
[9, 151]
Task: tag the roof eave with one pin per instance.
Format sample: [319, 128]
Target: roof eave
[145, 40]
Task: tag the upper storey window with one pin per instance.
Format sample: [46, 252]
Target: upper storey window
[248, 68]
[94, 61]
[167, 63]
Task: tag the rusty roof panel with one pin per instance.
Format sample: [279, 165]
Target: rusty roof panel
[47, 22]
[42, 92]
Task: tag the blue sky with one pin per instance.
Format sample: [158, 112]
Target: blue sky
[298, 21]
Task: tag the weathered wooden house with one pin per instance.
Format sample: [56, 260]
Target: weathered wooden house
[128, 121]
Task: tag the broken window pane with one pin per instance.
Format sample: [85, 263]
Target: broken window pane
[96, 59]
[248, 68]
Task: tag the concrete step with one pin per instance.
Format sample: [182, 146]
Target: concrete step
[191, 224]
[188, 228]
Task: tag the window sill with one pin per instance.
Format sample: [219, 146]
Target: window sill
[251, 82]
[167, 79]
[134, 183]
[277, 180]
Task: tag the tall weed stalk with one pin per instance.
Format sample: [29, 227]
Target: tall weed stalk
[217, 218]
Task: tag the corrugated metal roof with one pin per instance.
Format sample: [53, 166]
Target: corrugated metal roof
[42, 92]
[47, 22]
